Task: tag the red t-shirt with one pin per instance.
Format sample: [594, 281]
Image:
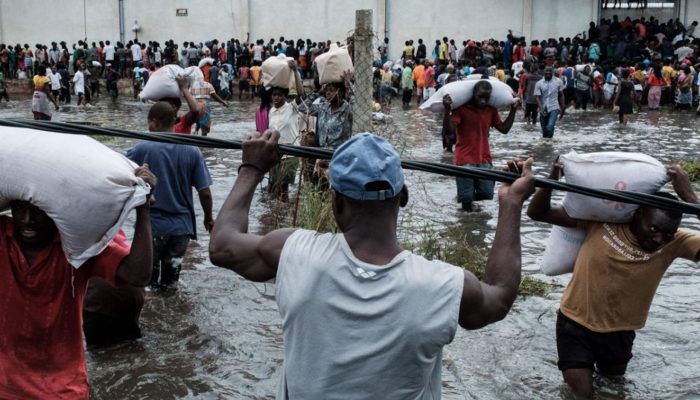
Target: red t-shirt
[182, 126]
[473, 127]
[41, 338]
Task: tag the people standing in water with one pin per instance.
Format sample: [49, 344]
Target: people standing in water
[616, 275]
[625, 97]
[333, 289]
[472, 122]
[42, 95]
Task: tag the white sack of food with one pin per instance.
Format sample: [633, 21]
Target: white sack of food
[561, 250]
[461, 93]
[85, 187]
[162, 84]
[204, 61]
[193, 74]
[332, 64]
[276, 72]
[633, 172]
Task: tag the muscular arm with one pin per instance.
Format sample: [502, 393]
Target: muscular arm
[489, 301]
[252, 256]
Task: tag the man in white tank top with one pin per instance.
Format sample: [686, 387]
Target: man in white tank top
[363, 318]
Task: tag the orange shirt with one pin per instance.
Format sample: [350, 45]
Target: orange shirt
[418, 76]
[255, 74]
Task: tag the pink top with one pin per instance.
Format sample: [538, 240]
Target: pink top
[261, 119]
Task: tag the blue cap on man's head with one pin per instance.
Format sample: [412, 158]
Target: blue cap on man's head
[363, 159]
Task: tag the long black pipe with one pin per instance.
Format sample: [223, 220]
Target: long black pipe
[314, 152]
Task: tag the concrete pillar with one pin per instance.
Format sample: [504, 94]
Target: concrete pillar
[244, 20]
[363, 39]
[527, 19]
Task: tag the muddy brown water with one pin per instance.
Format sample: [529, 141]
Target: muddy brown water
[219, 336]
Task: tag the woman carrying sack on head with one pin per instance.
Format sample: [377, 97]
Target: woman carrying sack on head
[283, 117]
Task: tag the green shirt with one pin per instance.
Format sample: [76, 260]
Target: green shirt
[407, 78]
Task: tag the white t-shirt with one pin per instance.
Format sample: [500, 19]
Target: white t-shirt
[79, 82]
[286, 121]
[136, 52]
[357, 330]
[55, 80]
[109, 52]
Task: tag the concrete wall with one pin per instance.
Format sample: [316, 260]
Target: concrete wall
[314, 19]
[552, 19]
[693, 11]
[456, 19]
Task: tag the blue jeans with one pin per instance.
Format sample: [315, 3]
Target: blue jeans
[547, 123]
[469, 189]
[168, 252]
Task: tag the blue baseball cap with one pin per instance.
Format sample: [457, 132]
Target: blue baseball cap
[363, 159]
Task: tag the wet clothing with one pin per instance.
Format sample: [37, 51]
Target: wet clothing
[470, 189]
[624, 101]
[614, 280]
[41, 346]
[168, 254]
[178, 168]
[353, 329]
[580, 347]
[110, 314]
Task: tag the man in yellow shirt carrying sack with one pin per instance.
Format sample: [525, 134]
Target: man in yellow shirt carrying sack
[616, 274]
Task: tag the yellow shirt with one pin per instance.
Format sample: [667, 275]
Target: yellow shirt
[443, 51]
[638, 77]
[501, 75]
[40, 82]
[615, 280]
[669, 73]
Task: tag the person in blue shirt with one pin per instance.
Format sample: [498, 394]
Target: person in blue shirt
[179, 168]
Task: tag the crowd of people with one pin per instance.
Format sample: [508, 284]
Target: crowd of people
[335, 289]
[617, 64]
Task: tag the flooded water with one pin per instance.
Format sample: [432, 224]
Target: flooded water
[219, 337]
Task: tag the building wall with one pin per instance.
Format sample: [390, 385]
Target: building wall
[565, 18]
[457, 19]
[693, 11]
[314, 19]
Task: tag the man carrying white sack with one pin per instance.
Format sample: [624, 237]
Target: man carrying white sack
[472, 123]
[615, 278]
[363, 318]
[41, 298]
